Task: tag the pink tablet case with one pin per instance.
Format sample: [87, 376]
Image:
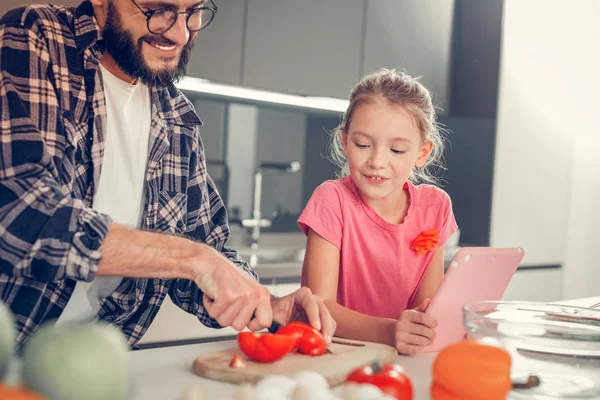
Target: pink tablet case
[475, 274]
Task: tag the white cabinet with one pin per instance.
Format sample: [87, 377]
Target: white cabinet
[535, 285]
[415, 35]
[217, 53]
[303, 47]
[532, 179]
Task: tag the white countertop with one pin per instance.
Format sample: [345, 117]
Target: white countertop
[163, 373]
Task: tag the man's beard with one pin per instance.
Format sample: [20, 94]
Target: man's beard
[128, 56]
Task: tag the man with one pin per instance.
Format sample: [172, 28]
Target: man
[105, 203]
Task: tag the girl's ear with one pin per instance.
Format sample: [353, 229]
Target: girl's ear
[424, 153]
[344, 141]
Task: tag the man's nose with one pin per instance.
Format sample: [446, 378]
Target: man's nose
[179, 33]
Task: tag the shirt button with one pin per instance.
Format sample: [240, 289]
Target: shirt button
[180, 224]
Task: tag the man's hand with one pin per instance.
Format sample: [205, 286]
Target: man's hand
[303, 306]
[231, 296]
[414, 329]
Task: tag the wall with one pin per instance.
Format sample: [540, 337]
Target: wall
[546, 180]
[280, 138]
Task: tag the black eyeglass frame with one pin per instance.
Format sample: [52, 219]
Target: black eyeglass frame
[150, 13]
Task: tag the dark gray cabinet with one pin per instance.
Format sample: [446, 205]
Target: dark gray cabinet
[308, 47]
[217, 54]
[414, 35]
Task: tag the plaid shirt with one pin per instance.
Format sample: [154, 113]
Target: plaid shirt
[53, 122]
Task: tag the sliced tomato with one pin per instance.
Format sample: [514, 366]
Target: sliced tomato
[236, 362]
[308, 340]
[390, 378]
[265, 347]
[296, 330]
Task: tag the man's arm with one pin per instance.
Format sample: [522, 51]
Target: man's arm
[44, 234]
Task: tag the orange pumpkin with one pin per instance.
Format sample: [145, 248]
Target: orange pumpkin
[471, 370]
[18, 393]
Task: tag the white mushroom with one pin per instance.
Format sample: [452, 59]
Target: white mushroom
[310, 379]
[351, 391]
[275, 387]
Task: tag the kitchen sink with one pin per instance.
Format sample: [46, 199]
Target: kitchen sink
[271, 255]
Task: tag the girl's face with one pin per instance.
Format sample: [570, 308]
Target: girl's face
[383, 145]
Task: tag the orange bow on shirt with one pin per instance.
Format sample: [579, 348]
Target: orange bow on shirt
[426, 241]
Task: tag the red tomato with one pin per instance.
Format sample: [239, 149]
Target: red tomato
[390, 378]
[265, 347]
[308, 340]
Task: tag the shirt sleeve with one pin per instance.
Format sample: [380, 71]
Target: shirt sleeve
[449, 225]
[44, 233]
[208, 216]
[323, 214]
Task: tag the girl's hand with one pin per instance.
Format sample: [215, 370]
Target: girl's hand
[414, 329]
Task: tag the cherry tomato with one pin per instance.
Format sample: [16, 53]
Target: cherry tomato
[390, 379]
[308, 340]
[265, 347]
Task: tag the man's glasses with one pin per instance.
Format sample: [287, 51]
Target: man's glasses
[160, 21]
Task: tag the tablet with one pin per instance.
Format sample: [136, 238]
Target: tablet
[475, 274]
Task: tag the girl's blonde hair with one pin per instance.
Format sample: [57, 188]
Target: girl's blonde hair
[401, 89]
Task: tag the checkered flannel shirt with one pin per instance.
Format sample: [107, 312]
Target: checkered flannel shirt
[52, 129]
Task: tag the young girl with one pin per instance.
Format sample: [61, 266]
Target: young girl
[375, 238]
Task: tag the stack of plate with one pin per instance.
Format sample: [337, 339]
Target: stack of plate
[559, 344]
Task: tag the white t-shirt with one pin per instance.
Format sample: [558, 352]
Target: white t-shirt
[120, 193]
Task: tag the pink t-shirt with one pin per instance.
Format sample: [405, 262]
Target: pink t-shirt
[379, 272]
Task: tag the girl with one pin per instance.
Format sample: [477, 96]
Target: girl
[375, 238]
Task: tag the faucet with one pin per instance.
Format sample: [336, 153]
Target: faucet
[257, 222]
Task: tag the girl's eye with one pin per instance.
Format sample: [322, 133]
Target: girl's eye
[361, 146]
[398, 151]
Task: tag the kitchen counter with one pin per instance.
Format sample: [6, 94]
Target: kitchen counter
[288, 271]
[163, 373]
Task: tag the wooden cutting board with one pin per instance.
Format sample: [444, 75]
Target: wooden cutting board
[346, 355]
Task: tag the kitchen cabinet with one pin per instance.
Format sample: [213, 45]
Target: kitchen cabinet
[218, 51]
[535, 285]
[306, 47]
[531, 200]
[414, 35]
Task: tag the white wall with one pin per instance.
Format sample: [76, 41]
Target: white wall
[281, 138]
[547, 175]
[242, 133]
